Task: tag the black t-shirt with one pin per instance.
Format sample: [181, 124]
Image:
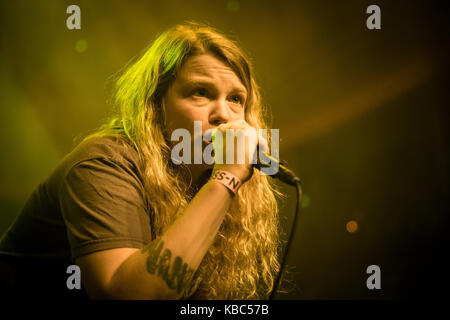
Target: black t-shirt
[93, 200]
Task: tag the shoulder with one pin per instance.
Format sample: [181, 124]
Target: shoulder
[114, 148]
[97, 155]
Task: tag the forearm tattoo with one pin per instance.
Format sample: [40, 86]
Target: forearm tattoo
[176, 273]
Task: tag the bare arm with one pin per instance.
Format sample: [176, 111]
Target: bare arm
[163, 268]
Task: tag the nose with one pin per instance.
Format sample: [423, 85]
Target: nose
[219, 113]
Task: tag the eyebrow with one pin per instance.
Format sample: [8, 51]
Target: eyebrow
[204, 82]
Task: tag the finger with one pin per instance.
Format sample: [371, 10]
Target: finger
[263, 144]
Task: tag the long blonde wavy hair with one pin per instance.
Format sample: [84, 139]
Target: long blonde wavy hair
[242, 263]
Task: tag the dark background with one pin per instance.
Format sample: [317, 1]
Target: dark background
[362, 117]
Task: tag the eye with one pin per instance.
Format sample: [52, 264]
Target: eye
[237, 99]
[200, 92]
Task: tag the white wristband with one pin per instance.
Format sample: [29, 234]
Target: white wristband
[228, 179]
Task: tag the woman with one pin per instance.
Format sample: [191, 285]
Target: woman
[140, 226]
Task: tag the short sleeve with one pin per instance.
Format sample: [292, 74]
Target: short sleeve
[103, 207]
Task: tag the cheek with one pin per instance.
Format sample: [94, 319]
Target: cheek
[184, 116]
[242, 114]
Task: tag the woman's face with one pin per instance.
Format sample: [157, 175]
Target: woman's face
[205, 90]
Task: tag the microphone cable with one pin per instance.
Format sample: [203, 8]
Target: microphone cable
[295, 181]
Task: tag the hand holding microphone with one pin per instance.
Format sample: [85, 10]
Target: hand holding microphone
[244, 156]
[235, 147]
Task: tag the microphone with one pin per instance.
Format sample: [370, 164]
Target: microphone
[266, 161]
[284, 174]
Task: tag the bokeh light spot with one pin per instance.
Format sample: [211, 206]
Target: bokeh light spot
[81, 46]
[352, 226]
[233, 5]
